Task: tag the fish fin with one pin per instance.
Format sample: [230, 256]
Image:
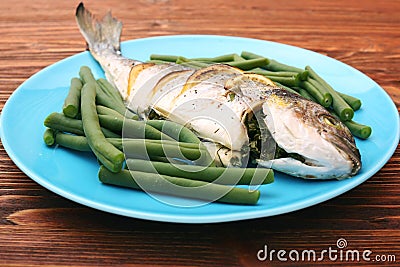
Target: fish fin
[99, 35]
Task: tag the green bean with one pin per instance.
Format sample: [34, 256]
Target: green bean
[359, 130]
[219, 175]
[157, 61]
[304, 93]
[304, 75]
[162, 184]
[261, 71]
[72, 101]
[113, 123]
[109, 91]
[180, 60]
[110, 156]
[80, 143]
[327, 95]
[249, 55]
[167, 58]
[60, 122]
[103, 110]
[324, 100]
[109, 134]
[277, 66]
[142, 147]
[219, 59]
[132, 128]
[339, 105]
[354, 102]
[174, 130]
[102, 97]
[273, 64]
[195, 64]
[287, 81]
[236, 57]
[119, 142]
[74, 142]
[48, 136]
[170, 160]
[250, 63]
[160, 159]
[86, 75]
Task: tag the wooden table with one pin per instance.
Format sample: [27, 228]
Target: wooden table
[38, 227]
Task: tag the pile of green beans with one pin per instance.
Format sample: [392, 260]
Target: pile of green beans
[94, 119]
[305, 82]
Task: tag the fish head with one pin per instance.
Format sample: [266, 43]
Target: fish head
[310, 142]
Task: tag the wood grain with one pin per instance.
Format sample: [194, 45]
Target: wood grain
[38, 227]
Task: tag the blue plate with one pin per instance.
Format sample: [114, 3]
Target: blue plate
[74, 175]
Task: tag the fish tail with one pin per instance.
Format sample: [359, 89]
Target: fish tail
[99, 35]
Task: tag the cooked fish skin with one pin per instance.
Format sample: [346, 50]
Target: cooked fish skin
[215, 101]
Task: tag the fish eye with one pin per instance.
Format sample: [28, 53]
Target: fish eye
[330, 121]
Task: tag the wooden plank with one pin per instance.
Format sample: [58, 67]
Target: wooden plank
[38, 227]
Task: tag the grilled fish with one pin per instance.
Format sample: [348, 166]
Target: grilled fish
[219, 101]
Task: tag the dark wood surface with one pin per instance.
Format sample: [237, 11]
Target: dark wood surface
[38, 227]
